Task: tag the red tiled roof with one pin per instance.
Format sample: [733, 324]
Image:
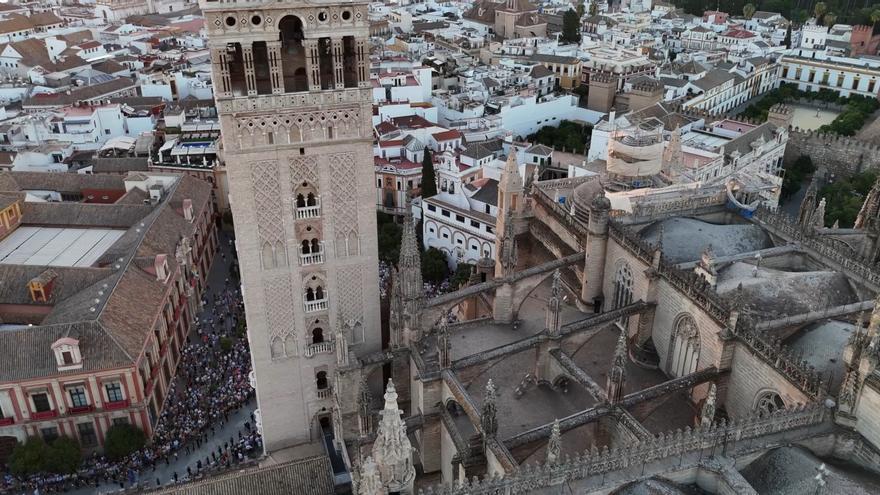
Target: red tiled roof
[447, 135]
[411, 122]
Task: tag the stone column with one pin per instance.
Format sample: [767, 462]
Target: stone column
[313, 64]
[338, 64]
[273, 49]
[247, 52]
[220, 61]
[363, 62]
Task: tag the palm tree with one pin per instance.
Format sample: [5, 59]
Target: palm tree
[830, 18]
[748, 10]
[875, 18]
[819, 12]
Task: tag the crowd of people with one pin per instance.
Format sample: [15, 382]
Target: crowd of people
[211, 384]
[431, 289]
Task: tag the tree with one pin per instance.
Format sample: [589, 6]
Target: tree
[61, 456]
[796, 174]
[819, 11]
[429, 180]
[581, 9]
[787, 40]
[122, 440]
[594, 8]
[64, 456]
[462, 275]
[844, 198]
[749, 10]
[390, 235]
[571, 27]
[875, 18]
[434, 266]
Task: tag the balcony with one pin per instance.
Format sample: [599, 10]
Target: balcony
[307, 212]
[44, 415]
[315, 306]
[312, 258]
[116, 405]
[7, 421]
[325, 393]
[81, 409]
[319, 348]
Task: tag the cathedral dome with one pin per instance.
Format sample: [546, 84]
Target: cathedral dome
[587, 196]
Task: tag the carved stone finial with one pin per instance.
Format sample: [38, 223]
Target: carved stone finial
[370, 482]
[707, 415]
[444, 347]
[554, 445]
[819, 215]
[617, 375]
[554, 303]
[392, 449]
[488, 415]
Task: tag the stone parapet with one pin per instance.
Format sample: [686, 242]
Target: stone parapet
[594, 469]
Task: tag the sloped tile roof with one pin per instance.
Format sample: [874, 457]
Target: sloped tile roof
[309, 476]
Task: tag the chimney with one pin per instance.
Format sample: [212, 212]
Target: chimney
[160, 265]
[188, 209]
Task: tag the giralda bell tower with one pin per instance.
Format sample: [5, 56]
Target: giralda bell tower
[291, 80]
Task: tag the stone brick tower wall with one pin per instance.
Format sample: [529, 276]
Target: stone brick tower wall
[293, 95]
[603, 88]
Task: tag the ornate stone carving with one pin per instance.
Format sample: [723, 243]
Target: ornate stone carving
[299, 127]
[344, 204]
[278, 298]
[271, 103]
[303, 169]
[350, 304]
[267, 203]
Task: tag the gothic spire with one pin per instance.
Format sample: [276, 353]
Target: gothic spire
[365, 401]
[617, 375]
[489, 413]
[409, 263]
[510, 178]
[396, 310]
[672, 156]
[552, 321]
[808, 204]
[370, 482]
[870, 208]
[392, 450]
[707, 415]
[554, 445]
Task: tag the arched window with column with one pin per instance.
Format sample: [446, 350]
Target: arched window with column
[325, 63]
[684, 347]
[293, 55]
[349, 62]
[235, 61]
[262, 71]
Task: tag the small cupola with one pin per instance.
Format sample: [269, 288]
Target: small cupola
[40, 287]
[67, 354]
